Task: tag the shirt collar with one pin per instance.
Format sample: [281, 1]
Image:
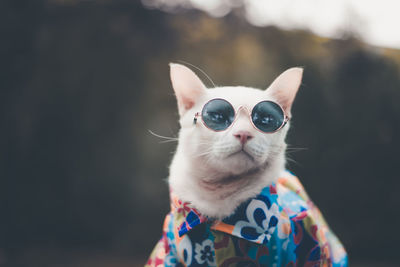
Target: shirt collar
[261, 214]
[187, 217]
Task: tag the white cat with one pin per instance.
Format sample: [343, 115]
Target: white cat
[232, 201]
[213, 170]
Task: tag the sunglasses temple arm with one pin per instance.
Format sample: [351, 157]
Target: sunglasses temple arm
[286, 120]
[195, 117]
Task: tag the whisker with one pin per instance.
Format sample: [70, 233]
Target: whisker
[168, 141]
[206, 152]
[205, 74]
[293, 147]
[203, 154]
[167, 138]
[294, 150]
[292, 160]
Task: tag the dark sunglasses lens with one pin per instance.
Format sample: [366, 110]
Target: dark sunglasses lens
[267, 116]
[218, 114]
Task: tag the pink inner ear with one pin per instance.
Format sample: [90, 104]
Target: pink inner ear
[187, 86]
[284, 101]
[188, 104]
[285, 87]
[185, 103]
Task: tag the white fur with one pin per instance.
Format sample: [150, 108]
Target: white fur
[208, 170]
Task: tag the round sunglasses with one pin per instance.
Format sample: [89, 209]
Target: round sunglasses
[218, 115]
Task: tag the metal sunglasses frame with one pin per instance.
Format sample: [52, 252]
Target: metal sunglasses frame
[249, 112]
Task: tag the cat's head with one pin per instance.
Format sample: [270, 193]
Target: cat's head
[242, 146]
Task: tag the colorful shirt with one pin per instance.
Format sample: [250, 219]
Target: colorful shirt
[279, 227]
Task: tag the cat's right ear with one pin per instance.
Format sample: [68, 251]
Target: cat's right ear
[187, 86]
[285, 87]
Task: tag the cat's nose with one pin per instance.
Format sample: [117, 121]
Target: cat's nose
[243, 136]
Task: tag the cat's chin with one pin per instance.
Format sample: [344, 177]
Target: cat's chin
[236, 163]
[242, 155]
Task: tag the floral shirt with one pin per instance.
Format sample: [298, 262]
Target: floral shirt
[279, 227]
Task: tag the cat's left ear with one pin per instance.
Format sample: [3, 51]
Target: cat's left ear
[285, 87]
[187, 86]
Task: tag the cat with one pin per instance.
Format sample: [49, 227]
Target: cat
[230, 164]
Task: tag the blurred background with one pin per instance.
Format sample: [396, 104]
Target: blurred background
[83, 182]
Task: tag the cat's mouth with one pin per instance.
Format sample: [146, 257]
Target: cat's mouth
[242, 151]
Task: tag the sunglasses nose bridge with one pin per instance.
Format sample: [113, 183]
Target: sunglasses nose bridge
[242, 120]
[244, 109]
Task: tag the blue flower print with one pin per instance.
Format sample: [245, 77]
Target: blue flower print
[261, 223]
[205, 253]
[185, 250]
[170, 261]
